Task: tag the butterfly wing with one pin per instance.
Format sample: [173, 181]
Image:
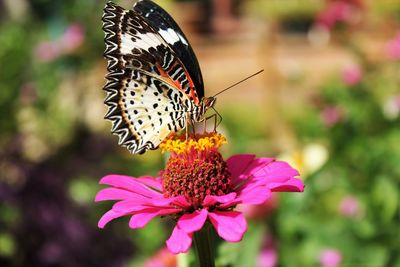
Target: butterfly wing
[143, 109]
[170, 31]
[148, 88]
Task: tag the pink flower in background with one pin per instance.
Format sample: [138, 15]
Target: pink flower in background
[259, 212]
[198, 186]
[352, 75]
[163, 258]
[68, 42]
[28, 93]
[337, 11]
[47, 51]
[349, 206]
[73, 37]
[393, 48]
[330, 258]
[268, 256]
[331, 115]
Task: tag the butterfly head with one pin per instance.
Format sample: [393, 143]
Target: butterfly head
[208, 102]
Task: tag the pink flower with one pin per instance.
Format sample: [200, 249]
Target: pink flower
[268, 256]
[72, 38]
[196, 187]
[393, 48]
[259, 212]
[336, 11]
[349, 206]
[163, 258]
[352, 75]
[330, 258]
[331, 115]
[47, 51]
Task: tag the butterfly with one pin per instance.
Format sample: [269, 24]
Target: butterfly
[154, 82]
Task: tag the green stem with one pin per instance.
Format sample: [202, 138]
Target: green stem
[204, 247]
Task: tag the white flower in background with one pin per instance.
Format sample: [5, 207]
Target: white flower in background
[391, 107]
[307, 159]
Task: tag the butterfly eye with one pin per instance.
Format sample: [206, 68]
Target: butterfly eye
[209, 102]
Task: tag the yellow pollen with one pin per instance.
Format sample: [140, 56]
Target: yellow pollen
[178, 143]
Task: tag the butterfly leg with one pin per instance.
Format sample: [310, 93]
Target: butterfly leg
[214, 116]
[217, 116]
[189, 124]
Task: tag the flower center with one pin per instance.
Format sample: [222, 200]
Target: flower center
[196, 168]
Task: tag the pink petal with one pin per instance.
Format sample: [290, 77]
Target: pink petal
[230, 204]
[114, 194]
[154, 183]
[109, 216]
[254, 195]
[130, 209]
[169, 211]
[141, 219]
[230, 225]
[277, 171]
[257, 166]
[292, 185]
[180, 201]
[145, 215]
[237, 164]
[128, 183]
[130, 205]
[179, 241]
[193, 222]
[212, 200]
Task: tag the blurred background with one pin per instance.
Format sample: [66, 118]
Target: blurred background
[328, 102]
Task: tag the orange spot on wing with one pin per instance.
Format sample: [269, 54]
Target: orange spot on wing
[177, 84]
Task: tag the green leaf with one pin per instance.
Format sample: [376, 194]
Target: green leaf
[385, 197]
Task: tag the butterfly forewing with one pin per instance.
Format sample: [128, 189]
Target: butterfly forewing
[149, 89]
[170, 31]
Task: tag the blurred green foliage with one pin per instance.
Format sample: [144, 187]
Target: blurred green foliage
[364, 156]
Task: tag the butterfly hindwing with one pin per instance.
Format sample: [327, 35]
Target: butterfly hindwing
[143, 109]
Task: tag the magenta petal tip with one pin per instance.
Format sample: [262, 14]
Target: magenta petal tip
[179, 241]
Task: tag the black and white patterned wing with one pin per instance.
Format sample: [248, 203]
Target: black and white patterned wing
[146, 89]
[176, 39]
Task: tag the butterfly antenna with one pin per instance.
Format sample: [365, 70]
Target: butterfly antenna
[239, 82]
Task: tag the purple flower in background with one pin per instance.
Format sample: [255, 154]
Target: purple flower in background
[51, 253]
[349, 206]
[331, 115]
[393, 48]
[352, 75]
[47, 227]
[330, 258]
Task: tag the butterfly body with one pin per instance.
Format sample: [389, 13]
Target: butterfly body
[154, 85]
